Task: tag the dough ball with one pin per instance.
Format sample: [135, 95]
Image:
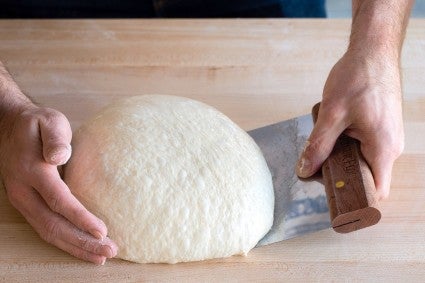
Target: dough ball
[173, 179]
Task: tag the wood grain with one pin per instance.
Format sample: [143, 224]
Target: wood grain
[255, 71]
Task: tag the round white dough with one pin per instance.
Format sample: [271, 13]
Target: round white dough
[173, 179]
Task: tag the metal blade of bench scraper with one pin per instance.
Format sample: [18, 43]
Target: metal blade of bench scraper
[300, 205]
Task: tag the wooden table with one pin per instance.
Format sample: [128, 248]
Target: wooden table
[255, 71]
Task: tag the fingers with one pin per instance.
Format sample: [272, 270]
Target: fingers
[56, 137]
[59, 198]
[381, 158]
[80, 253]
[329, 125]
[58, 231]
[45, 200]
[382, 175]
[380, 147]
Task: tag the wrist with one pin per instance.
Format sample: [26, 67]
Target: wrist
[380, 60]
[378, 27]
[374, 38]
[375, 48]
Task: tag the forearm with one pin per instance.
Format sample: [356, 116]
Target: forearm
[379, 26]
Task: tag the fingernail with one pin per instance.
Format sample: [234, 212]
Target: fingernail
[103, 261]
[97, 234]
[60, 155]
[303, 167]
[306, 145]
[105, 250]
[110, 254]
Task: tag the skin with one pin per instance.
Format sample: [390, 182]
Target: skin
[362, 95]
[34, 141]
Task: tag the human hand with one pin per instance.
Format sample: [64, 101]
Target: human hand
[34, 142]
[362, 98]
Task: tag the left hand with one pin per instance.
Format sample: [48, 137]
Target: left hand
[362, 98]
[35, 141]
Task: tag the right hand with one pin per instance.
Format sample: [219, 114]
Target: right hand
[362, 98]
[34, 141]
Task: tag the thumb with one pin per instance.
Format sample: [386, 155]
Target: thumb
[56, 137]
[320, 144]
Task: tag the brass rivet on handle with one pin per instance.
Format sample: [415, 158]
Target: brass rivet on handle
[339, 184]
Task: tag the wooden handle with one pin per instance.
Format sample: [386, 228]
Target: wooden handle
[349, 185]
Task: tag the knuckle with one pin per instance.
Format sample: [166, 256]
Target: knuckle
[59, 203]
[82, 218]
[78, 212]
[54, 201]
[334, 114]
[317, 149]
[80, 239]
[53, 117]
[333, 111]
[50, 230]
[395, 145]
[387, 143]
[27, 115]
[85, 243]
[50, 115]
[399, 148]
[384, 194]
[57, 127]
[25, 121]
[14, 196]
